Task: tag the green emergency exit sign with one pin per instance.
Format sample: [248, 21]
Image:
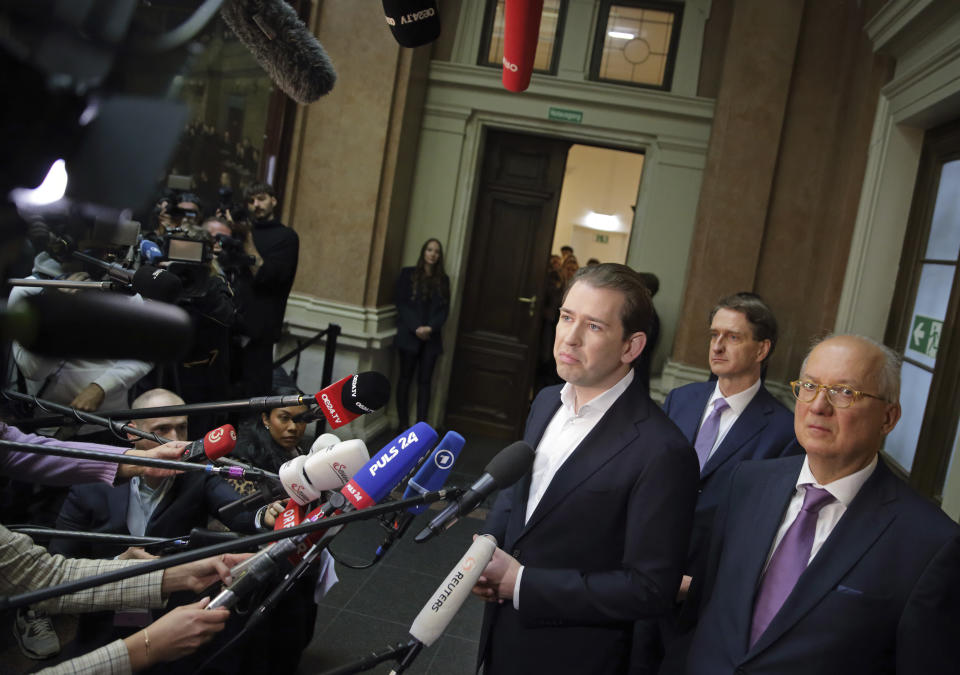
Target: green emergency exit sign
[925, 335]
[565, 115]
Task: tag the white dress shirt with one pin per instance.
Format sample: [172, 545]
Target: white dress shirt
[843, 490]
[563, 434]
[738, 403]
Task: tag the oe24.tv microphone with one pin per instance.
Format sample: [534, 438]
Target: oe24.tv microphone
[347, 399]
[431, 476]
[283, 46]
[214, 445]
[503, 470]
[372, 483]
[521, 30]
[446, 601]
[412, 22]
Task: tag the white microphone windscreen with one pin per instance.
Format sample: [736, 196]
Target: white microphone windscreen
[333, 467]
[324, 442]
[291, 473]
[446, 601]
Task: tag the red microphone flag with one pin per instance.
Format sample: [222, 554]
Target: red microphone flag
[521, 30]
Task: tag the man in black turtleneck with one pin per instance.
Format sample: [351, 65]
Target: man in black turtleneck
[274, 249]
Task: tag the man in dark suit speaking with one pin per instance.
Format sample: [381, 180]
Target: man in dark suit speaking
[597, 533]
[830, 564]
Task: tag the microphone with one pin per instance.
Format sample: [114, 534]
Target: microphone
[431, 476]
[503, 470]
[97, 326]
[151, 282]
[323, 442]
[371, 391]
[412, 22]
[214, 445]
[306, 477]
[521, 31]
[341, 403]
[150, 252]
[372, 483]
[449, 597]
[283, 46]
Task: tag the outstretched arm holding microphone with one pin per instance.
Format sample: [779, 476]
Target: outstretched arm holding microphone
[25, 566]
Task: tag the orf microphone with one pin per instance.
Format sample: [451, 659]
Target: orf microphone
[283, 46]
[412, 22]
[521, 30]
[449, 597]
[214, 445]
[151, 282]
[503, 470]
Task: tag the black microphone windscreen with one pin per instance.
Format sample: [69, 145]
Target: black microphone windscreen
[412, 22]
[95, 325]
[283, 46]
[510, 463]
[154, 283]
[366, 392]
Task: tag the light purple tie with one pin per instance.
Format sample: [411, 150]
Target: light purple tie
[788, 561]
[707, 435]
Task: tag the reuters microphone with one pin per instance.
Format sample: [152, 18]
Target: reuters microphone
[449, 597]
[214, 445]
[521, 30]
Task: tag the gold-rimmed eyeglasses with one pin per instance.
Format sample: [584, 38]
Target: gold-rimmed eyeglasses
[840, 396]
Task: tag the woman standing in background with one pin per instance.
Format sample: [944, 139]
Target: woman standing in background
[423, 301]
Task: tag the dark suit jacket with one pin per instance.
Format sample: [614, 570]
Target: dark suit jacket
[855, 607]
[190, 502]
[605, 545]
[764, 430]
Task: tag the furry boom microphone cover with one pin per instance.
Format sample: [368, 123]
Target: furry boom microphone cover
[283, 46]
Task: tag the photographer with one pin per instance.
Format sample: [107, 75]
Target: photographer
[204, 374]
[263, 285]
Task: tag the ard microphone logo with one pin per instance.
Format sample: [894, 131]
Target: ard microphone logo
[329, 406]
[512, 67]
[443, 459]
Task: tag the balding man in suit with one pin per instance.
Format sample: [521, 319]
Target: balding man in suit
[829, 563]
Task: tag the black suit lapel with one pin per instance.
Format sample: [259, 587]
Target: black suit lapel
[599, 446]
[869, 514]
[751, 422]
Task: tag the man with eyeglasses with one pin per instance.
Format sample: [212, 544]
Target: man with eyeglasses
[730, 420]
[829, 563]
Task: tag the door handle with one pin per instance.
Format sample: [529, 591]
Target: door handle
[532, 301]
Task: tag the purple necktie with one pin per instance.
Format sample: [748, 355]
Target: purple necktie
[707, 435]
[788, 561]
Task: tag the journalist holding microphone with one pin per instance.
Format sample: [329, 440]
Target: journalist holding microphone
[25, 566]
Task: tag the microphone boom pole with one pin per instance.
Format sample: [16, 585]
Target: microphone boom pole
[156, 462]
[31, 597]
[257, 404]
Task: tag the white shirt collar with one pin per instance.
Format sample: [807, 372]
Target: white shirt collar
[599, 404]
[843, 489]
[737, 402]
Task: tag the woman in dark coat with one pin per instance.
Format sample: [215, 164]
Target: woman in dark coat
[423, 302]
